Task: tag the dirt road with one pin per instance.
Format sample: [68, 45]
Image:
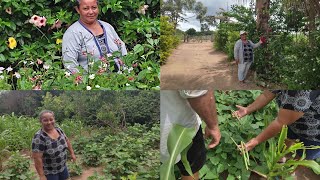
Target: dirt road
[198, 66]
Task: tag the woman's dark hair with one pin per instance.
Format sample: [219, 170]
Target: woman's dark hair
[43, 112]
[77, 3]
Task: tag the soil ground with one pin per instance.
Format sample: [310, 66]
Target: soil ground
[196, 65]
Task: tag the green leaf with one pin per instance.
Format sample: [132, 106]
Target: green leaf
[308, 163]
[230, 177]
[185, 161]
[2, 58]
[283, 136]
[179, 138]
[138, 48]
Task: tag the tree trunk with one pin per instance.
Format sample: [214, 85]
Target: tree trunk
[263, 16]
[311, 13]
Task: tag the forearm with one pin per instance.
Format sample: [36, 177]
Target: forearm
[272, 130]
[70, 147]
[261, 101]
[205, 107]
[39, 166]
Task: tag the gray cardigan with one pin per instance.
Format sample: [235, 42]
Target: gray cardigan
[77, 41]
[238, 49]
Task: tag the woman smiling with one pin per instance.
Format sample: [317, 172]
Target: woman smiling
[49, 147]
[90, 36]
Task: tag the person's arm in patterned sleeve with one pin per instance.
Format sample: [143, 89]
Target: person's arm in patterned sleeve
[70, 149]
[285, 117]
[205, 107]
[259, 103]
[70, 51]
[37, 154]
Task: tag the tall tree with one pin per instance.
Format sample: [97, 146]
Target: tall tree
[175, 10]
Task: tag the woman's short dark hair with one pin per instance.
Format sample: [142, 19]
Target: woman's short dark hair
[43, 112]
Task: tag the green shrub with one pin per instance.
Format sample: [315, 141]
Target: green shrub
[168, 40]
[233, 36]
[17, 167]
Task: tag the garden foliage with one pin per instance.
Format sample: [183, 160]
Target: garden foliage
[225, 160]
[168, 40]
[128, 153]
[30, 55]
[99, 108]
[291, 56]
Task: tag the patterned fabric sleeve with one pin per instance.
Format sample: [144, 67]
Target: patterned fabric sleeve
[62, 133]
[38, 144]
[295, 100]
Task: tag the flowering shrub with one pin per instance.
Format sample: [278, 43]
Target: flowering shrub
[30, 52]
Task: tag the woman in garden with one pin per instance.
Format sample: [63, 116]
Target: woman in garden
[243, 55]
[300, 110]
[49, 147]
[90, 38]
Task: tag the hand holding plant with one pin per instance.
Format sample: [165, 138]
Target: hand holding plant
[214, 134]
[241, 112]
[251, 144]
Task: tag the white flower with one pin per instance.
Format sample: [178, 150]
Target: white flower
[313, 69]
[130, 69]
[2, 68]
[25, 62]
[149, 68]
[67, 74]
[92, 76]
[1, 72]
[1, 77]
[91, 63]
[46, 66]
[127, 84]
[142, 9]
[119, 72]
[31, 63]
[9, 69]
[88, 88]
[97, 86]
[17, 75]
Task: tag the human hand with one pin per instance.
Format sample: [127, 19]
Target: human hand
[215, 134]
[43, 177]
[74, 158]
[251, 144]
[242, 111]
[263, 40]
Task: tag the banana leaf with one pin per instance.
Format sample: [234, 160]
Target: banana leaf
[179, 139]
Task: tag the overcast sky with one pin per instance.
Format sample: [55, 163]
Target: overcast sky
[213, 7]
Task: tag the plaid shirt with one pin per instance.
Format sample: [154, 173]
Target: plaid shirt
[54, 151]
[308, 102]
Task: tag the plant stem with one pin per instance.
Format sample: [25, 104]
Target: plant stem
[43, 34]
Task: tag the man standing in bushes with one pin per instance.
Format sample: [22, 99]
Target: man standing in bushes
[185, 108]
[243, 54]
